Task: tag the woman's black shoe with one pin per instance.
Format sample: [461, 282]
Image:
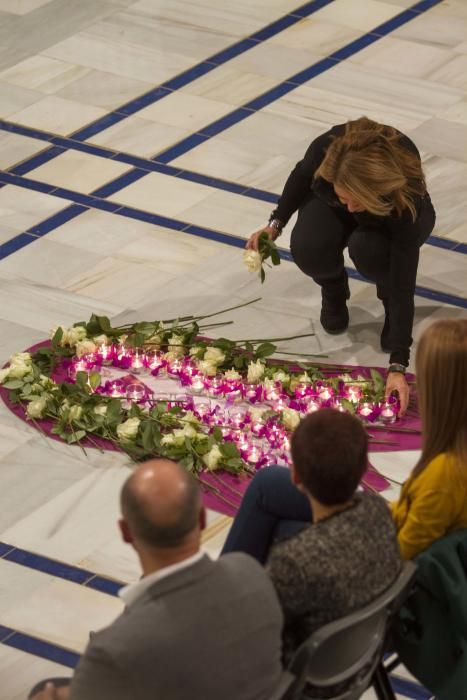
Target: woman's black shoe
[334, 315]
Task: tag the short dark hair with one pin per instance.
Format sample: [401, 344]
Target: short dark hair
[329, 452]
[165, 533]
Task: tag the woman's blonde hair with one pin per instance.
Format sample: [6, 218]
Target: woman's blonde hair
[441, 367]
[379, 173]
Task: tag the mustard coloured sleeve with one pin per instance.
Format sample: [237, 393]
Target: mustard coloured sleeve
[430, 516]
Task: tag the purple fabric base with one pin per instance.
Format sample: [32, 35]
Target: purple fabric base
[223, 492]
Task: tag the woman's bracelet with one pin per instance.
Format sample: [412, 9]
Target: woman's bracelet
[396, 367]
[277, 225]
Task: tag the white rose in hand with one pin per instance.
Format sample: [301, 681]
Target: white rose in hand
[255, 371]
[252, 260]
[128, 430]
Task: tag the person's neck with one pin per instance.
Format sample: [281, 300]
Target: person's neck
[153, 560]
[321, 511]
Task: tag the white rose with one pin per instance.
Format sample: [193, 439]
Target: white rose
[22, 358]
[101, 409]
[64, 407]
[75, 335]
[190, 418]
[232, 375]
[207, 368]
[173, 440]
[304, 378]
[290, 418]
[187, 431]
[281, 376]
[252, 260]
[255, 371]
[128, 430]
[175, 345]
[214, 355]
[46, 382]
[101, 339]
[18, 370]
[197, 351]
[75, 413]
[4, 373]
[154, 339]
[85, 347]
[36, 408]
[212, 458]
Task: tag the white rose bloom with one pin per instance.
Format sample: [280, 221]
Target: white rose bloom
[232, 375]
[212, 458]
[290, 418]
[75, 335]
[207, 368]
[255, 371]
[85, 347]
[196, 350]
[173, 440]
[4, 373]
[101, 409]
[18, 370]
[175, 345]
[155, 339]
[101, 339]
[214, 355]
[252, 260]
[47, 382]
[304, 378]
[281, 376]
[75, 413]
[36, 408]
[190, 417]
[128, 430]
[23, 358]
[187, 431]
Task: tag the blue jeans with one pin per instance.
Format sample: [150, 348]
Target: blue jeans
[272, 508]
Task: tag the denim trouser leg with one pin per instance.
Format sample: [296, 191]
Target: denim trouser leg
[272, 507]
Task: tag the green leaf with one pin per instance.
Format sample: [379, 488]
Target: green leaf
[188, 462]
[27, 389]
[262, 275]
[265, 350]
[94, 380]
[229, 450]
[58, 335]
[377, 379]
[76, 436]
[275, 257]
[147, 435]
[13, 384]
[348, 405]
[217, 434]
[104, 324]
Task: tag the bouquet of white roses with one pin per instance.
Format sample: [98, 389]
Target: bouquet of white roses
[254, 259]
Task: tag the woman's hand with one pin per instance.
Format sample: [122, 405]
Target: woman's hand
[396, 381]
[252, 242]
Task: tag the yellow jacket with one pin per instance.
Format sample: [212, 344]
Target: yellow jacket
[431, 505]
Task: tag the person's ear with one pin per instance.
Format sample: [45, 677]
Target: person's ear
[202, 518]
[125, 531]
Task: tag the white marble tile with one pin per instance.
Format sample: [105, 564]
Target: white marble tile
[281, 64]
[232, 85]
[161, 194]
[15, 98]
[452, 73]
[400, 56]
[435, 28]
[15, 148]
[21, 208]
[315, 35]
[131, 61]
[20, 672]
[105, 90]
[359, 14]
[140, 137]
[22, 7]
[188, 112]
[57, 115]
[442, 138]
[62, 612]
[443, 270]
[446, 180]
[20, 300]
[395, 465]
[456, 113]
[42, 73]
[79, 171]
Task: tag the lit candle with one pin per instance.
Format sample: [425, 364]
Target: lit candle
[116, 389]
[280, 404]
[354, 393]
[137, 363]
[254, 454]
[197, 385]
[388, 414]
[325, 393]
[301, 390]
[135, 392]
[366, 410]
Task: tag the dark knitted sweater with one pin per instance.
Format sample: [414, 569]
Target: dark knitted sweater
[334, 567]
[405, 235]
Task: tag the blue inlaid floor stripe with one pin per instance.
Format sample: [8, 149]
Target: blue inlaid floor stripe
[145, 164]
[41, 648]
[96, 202]
[59, 569]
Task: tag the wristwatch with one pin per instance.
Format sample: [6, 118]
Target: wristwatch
[396, 367]
[277, 225]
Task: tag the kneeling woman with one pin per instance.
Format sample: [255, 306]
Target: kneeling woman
[342, 551]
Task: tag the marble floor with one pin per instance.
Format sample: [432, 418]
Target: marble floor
[141, 142]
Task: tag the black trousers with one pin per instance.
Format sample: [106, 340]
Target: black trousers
[318, 240]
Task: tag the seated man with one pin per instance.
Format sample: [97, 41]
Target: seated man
[341, 549]
[192, 627]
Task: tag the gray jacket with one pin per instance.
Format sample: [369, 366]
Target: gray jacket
[208, 632]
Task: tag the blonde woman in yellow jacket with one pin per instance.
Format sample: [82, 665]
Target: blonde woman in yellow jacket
[433, 501]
